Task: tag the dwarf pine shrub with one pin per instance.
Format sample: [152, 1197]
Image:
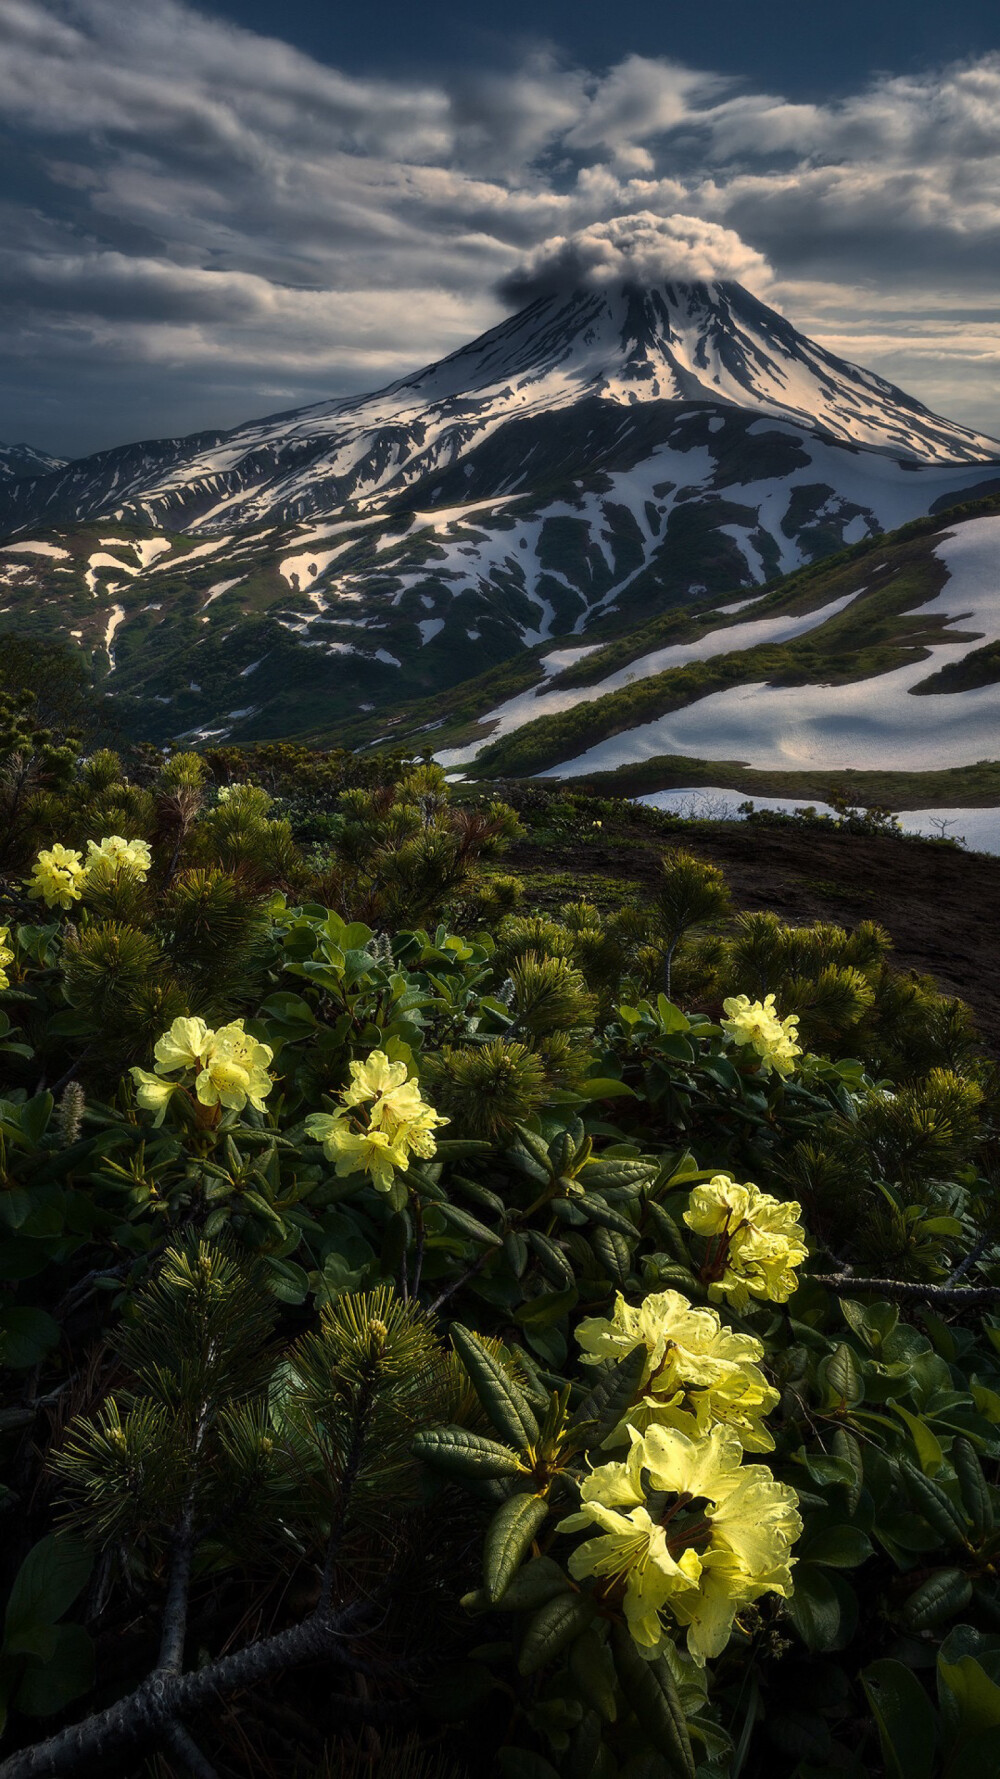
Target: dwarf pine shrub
[577, 1381]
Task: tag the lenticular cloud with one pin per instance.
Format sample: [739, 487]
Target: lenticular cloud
[643, 249]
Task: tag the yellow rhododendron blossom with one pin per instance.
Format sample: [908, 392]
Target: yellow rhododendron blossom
[697, 1372]
[358, 1151]
[755, 1242]
[383, 1122]
[685, 1531]
[6, 957]
[758, 1024]
[115, 851]
[57, 878]
[234, 1070]
[372, 1078]
[232, 1067]
[183, 1046]
[153, 1093]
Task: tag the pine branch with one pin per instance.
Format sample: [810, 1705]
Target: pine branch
[186, 1749]
[146, 1714]
[970, 1296]
[175, 1610]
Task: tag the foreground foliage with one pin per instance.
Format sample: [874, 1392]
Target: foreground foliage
[428, 1344]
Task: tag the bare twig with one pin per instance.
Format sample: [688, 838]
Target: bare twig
[975, 1253]
[961, 1296]
[456, 1285]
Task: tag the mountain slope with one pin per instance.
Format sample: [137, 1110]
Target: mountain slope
[597, 457]
[24, 460]
[885, 661]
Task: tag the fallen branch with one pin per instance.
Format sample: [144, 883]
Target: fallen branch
[148, 1713]
[966, 1296]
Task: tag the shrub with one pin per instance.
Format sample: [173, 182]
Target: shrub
[590, 1384]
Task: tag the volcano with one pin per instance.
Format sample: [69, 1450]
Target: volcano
[602, 454]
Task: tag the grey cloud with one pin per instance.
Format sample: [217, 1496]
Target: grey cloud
[204, 205]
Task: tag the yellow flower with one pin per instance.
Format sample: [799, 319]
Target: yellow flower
[183, 1046]
[685, 1529]
[234, 1071]
[372, 1078]
[367, 1151]
[116, 852]
[397, 1123]
[58, 877]
[755, 1242]
[697, 1372]
[153, 1093]
[6, 956]
[757, 1024]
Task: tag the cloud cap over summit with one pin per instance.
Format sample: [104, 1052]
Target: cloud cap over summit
[643, 249]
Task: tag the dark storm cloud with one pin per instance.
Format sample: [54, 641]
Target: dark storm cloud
[204, 223]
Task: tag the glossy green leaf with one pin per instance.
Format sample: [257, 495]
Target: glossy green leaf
[504, 1402]
[508, 1539]
[905, 1719]
[651, 1691]
[552, 1628]
[462, 1453]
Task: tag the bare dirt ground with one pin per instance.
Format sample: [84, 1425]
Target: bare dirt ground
[940, 905]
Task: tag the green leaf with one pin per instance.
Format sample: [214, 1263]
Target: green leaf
[843, 1376]
[651, 1691]
[598, 1212]
[553, 1262]
[928, 1450]
[26, 1335]
[605, 1087]
[937, 1507]
[505, 1404]
[906, 1721]
[469, 1225]
[814, 1608]
[605, 1406]
[977, 1696]
[49, 1688]
[943, 1594]
[53, 1573]
[287, 1281]
[462, 1453]
[872, 1322]
[552, 1628]
[543, 1311]
[973, 1487]
[671, 1017]
[613, 1253]
[509, 1537]
[840, 1547]
[537, 1581]
[592, 1668]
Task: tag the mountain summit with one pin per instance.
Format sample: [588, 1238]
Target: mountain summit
[694, 342]
[698, 344]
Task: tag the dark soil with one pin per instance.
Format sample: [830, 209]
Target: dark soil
[940, 905]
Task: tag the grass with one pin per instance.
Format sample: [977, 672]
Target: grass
[972, 786]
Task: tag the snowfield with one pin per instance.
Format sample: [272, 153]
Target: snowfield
[873, 724]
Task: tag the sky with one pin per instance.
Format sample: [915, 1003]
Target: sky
[213, 212]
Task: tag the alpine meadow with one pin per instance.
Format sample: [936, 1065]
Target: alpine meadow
[499, 891]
